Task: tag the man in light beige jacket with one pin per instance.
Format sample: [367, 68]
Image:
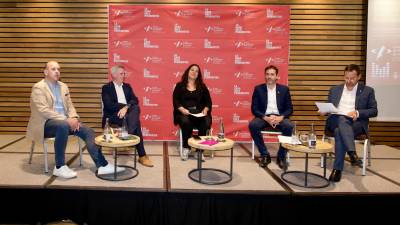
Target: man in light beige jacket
[54, 115]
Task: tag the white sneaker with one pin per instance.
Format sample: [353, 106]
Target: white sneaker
[64, 172]
[185, 154]
[108, 169]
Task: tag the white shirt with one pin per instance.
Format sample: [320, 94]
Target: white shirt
[347, 102]
[120, 93]
[272, 107]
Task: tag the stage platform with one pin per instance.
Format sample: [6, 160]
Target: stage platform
[164, 194]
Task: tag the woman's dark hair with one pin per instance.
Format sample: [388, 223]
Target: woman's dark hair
[199, 81]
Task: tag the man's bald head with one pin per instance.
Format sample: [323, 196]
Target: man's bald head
[51, 62]
[52, 71]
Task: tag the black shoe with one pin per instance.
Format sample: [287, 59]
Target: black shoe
[335, 176]
[265, 160]
[282, 163]
[354, 160]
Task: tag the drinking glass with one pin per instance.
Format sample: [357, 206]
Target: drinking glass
[208, 134]
[303, 137]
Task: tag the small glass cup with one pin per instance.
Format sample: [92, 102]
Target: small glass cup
[208, 135]
[303, 137]
[295, 139]
[117, 131]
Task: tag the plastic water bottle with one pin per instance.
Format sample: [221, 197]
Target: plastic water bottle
[221, 132]
[107, 131]
[312, 138]
[124, 128]
[295, 139]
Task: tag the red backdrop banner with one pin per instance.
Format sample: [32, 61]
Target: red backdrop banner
[232, 45]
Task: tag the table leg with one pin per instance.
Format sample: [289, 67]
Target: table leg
[199, 163]
[324, 157]
[113, 176]
[231, 171]
[306, 172]
[199, 171]
[134, 156]
[115, 163]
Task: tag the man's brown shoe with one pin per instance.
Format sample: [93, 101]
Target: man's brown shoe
[145, 161]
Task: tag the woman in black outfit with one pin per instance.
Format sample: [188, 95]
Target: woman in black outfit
[191, 96]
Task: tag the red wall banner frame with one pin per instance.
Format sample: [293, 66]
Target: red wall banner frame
[232, 45]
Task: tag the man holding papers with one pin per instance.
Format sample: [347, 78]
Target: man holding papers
[271, 106]
[355, 104]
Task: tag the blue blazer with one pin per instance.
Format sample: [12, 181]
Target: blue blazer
[260, 100]
[365, 102]
[111, 105]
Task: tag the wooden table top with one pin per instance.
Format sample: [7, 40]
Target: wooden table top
[321, 148]
[116, 142]
[220, 146]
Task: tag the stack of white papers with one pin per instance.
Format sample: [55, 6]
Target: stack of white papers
[198, 114]
[289, 140]
[324, 107]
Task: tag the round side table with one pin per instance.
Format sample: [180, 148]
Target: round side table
[204, 144]
[321, 148]
[116, 144]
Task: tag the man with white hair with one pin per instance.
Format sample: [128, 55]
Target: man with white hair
[54, 115]
[120, 102]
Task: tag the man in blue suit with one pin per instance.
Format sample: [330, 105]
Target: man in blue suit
[271, 106]
[120, 102]
[356, 103]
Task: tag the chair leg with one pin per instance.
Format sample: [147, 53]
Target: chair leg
[288, 158]
[369, 152]
[180, 143]
[322, 161]
[80, 151]
[31, 153]
[365, 150]
[252, 149]
[46, 165]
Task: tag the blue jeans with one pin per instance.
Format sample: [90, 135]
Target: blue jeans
[258, 124]
[61, 130]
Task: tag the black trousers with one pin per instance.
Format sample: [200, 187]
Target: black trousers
[133, 125]
[187, 123]
[135, 128]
